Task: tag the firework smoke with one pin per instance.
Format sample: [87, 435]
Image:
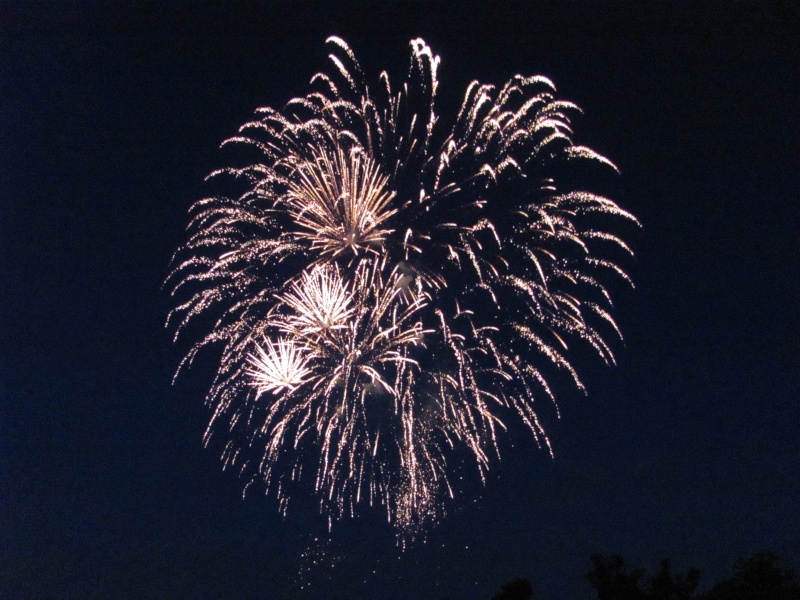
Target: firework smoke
[385, 291]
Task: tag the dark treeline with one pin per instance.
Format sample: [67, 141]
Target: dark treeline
[760, 577]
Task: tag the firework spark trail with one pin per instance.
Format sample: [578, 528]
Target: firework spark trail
[385, 290]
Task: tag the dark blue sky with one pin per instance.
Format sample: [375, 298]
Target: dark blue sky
[110, 117]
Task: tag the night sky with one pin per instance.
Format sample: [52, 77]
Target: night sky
[110, 118]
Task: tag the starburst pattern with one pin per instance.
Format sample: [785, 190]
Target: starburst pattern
[278, 367]
[385, 290]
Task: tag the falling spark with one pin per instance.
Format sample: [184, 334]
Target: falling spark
[385, 290]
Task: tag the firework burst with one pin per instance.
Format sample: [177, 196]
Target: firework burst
[385, 290]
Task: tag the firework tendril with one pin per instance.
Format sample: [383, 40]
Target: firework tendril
[387, 293]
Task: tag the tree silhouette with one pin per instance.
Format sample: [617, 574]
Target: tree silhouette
[612, 581]
[666, 586]
[760, 577]
[519, 589]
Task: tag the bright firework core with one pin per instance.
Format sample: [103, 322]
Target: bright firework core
[386, 291]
